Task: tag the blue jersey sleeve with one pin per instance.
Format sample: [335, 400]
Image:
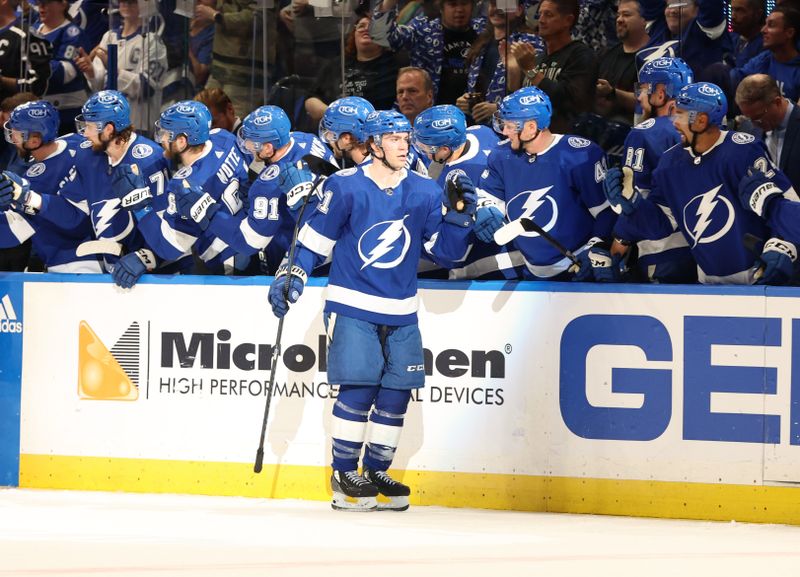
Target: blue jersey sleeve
[587, 178]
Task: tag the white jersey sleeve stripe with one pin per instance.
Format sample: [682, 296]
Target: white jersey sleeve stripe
[215, 249]
[180, 240]
[595, 210]
[252, 238]
[372, 303]
[315, 241]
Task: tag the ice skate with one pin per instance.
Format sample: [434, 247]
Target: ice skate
[352, 492]
[388, 487]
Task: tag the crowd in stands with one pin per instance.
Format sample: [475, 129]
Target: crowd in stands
[593, 60]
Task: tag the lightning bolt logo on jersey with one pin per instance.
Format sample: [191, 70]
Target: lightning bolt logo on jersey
[561, 190]
[708, 216]
[701, 200]
[389, 248]
[376, 237]
[89, 191]
[532, 201]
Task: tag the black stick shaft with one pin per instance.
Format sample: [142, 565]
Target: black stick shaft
[530, 225]
[276, 348]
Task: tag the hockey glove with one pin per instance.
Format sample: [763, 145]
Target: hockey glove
[12, 188]
[597, 264]
[296, 181]
[619, 189]
[488, 220]
[130, 187]
[756, 192]
[777, 262]
[286, 289]
[194, 204]
[460, 199]
[130, 268]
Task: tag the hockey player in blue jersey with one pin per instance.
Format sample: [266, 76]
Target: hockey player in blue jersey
[32, 128]
[556, 181]
[342, 129]
[111, 146]
[665, 260]
[697, 188]
[378, 215]
[212, 172]
[270, 216]
[441, 133]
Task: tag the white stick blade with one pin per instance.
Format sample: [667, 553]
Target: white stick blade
[101, 246]
[509, 232]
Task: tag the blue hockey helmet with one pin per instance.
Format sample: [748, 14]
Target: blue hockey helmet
[266, 124]
[703, 97]
[673, 73]
[529, 103]
[39, 116]
[188, 117]
[443, 125]
[383, 122]
[104, 107]
[345, 115]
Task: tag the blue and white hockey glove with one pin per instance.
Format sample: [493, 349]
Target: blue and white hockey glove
[460, 199]
[757, 191]
[130, 268]
[597, 264]
[777, 262]
[295, 181]
[281, 295]
[488, 220]
[194, 204]
[130, 186]
[12, 188]
[619, 190]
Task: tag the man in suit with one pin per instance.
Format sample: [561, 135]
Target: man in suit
[759, 98]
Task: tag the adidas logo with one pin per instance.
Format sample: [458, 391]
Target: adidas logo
[108, 375]
[8, 317]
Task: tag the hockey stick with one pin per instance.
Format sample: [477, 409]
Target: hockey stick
[524, 224]
[322, 169]
[99, 246]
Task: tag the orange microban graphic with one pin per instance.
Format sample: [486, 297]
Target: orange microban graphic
[101, 375]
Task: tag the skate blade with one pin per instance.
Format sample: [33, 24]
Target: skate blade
[395, 504]
[352, 504]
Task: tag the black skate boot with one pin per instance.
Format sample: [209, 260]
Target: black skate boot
[388, 487]
[352, 492]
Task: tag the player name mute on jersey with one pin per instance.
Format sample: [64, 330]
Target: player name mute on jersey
[216, 351]
[8, 317]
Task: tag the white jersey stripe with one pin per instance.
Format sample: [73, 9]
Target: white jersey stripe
[372, 303]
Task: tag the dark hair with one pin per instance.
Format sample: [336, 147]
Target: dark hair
[517, 24]
[791, 18]
[567, 8]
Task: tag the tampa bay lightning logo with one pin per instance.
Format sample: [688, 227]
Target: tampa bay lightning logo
[142, 151]
[536, 205]
[708, 217]
[36, 170]
[183, 172]
[384, 245]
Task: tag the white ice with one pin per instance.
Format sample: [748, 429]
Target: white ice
[70, 533]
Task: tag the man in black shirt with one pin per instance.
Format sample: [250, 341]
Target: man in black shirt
[568, 73]
[617, 71]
